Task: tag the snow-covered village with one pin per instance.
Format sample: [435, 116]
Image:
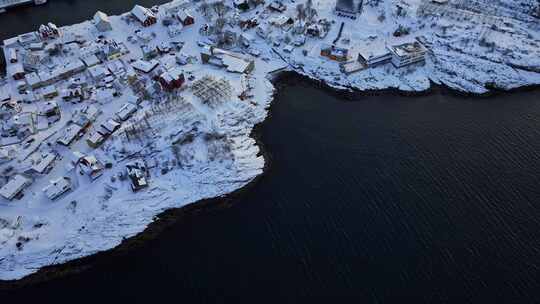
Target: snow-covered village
[108, 123]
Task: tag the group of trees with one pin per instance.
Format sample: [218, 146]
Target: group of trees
[536, 11]
[306, 12]
[209, 9]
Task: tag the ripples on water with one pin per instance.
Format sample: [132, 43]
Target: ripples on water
[385, 199]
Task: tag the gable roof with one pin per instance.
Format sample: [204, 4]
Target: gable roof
[14, 186]
[142, 13]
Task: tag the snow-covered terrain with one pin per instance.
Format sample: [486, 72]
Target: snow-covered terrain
[194, 148]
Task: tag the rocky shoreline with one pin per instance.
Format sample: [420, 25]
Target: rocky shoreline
[170, 217]
[154, 229]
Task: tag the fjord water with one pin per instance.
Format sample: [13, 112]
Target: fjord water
[382, 199]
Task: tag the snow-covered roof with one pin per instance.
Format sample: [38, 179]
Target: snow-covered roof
[49, 90]
[104, 94]
[43, 162]
[183, 15]
[68, 134]
[145, 66]
[90, 60]
[110, 125]
[91, 111]
[27, 38]
[5, 93]
[101, 17]
[91, 166]
[57, 187]
[137, 172]
[288, 48]
[235, 64]
[98, 72]
[115, 66]
[125, 111]
[142, 13]
[174, 29]
[173, 74]
[14, 69]
[33, 79]
[408, 48]
[37, 46]
[95, 138]
[23, 119]
[47, 107]
[373, 49]
[14, 186]
[280, 20]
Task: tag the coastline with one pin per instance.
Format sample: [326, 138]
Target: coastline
[151, 232]
[172, 216]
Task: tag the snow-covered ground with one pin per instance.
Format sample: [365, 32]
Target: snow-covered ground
[196, 150]
[468, 50]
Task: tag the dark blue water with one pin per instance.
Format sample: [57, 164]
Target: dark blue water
[385, 199]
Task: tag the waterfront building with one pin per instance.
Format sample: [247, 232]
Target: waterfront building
[335, 53]
[407, 53]
[145, 16]
[373, 53]
[49, 31]
[102, 22]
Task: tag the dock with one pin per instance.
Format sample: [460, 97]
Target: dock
[5, 4]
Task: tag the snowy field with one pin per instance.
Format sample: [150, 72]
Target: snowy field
[194, 148]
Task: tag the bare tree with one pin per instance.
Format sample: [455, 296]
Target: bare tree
[220, 9]
[219, 25]
[310, 11]
[301, 12]
[205, 8]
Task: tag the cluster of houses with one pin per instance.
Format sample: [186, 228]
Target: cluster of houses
[371, 52]
[278, 22]
[375, 53]
[52, 67]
